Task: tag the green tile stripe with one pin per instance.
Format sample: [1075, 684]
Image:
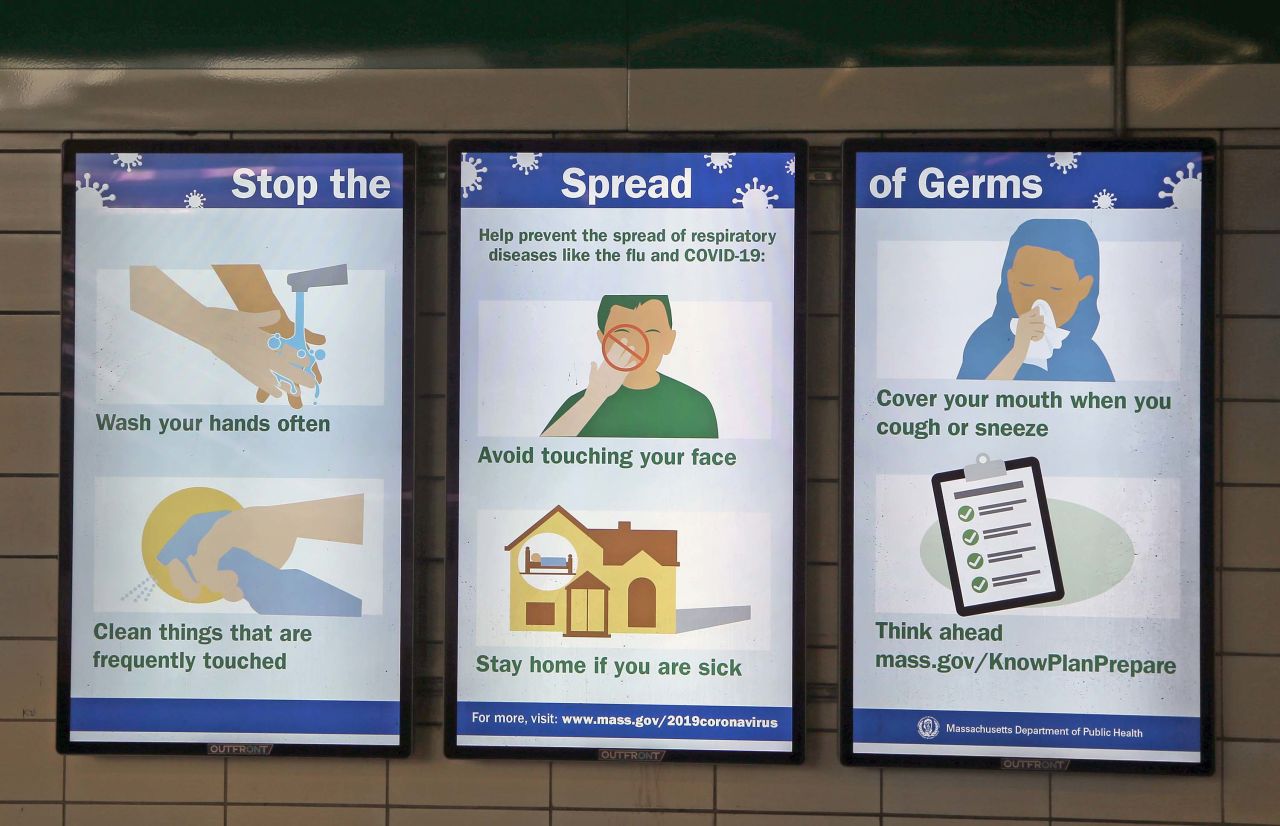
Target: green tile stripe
[1197, 32]
[826, 33]
[367, 33]
[641, 34]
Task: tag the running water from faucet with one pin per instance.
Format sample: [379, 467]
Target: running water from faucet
[301, 282]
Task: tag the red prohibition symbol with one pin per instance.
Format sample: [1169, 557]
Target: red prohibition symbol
[611, 338]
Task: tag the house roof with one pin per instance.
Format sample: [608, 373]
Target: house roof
[587, 580]
[620, 544]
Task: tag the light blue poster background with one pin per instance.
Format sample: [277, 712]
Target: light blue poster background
[348, 658]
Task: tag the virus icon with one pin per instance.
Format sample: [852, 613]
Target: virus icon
[128, 160]
[526, 162]
[720, 161]
[1185, 191]
[92, 194]
[1065, 161]
[1104, 200]
[472, 174]
[755, 195]
[194, 200]
[791, 167]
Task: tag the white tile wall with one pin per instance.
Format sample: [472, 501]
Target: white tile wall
[37, 786]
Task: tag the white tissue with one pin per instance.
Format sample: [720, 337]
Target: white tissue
[1041, 351]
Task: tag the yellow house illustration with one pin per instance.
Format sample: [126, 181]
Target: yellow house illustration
[617, 580]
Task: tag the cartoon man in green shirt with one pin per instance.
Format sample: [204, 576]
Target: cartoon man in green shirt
[626, 396]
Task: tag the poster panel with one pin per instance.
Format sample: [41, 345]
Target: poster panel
[236, 447]
[625, 485]
[1027, 416]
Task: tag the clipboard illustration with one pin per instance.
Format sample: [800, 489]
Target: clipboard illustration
[997, 534]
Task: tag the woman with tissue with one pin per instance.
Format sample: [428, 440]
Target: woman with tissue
[1046, 309]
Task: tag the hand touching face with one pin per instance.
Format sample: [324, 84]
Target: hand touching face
[651, 319]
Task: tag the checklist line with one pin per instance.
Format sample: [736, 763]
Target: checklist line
[1008, 578]
[995, 556]
[988, 508]
[992, 533]
[983, 491]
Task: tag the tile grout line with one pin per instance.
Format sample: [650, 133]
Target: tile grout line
[1119, 68]
[1219, 613]
[880, 805]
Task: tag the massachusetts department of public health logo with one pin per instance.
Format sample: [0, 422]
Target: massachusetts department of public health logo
[928, 727]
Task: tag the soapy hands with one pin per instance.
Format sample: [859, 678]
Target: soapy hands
[284, 327]
[240, 340]
[236, 337]
[251, 293]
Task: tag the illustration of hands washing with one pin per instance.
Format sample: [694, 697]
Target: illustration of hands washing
[257, 340]
[296, 344]
[239, 554]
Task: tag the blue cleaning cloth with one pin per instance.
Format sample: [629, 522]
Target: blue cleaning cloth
[272, 590]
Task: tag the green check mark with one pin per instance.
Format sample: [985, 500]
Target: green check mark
[979, 584]
[970, 537]
[975, 561]
[965, 513]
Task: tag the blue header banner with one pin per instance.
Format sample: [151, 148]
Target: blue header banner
[628, 180]
[302, 180]
[1028, 180]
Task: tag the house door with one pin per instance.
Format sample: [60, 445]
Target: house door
[587, 607]
[642, 604]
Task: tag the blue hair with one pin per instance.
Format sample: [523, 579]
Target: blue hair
[1083, 360]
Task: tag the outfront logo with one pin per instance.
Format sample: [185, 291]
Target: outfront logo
[928, 727]
[245, 749]
[1034, 764]
[633, 755]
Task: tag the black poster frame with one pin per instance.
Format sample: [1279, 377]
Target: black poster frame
[1208, 151]
[66, 562]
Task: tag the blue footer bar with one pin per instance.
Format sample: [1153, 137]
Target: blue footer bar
[618, 720]
[235, 716]
[1026, 728]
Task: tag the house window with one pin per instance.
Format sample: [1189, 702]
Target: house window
[540, 613]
